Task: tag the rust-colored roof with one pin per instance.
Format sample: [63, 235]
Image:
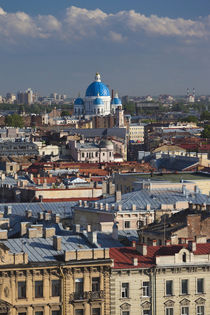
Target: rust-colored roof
[123, 256]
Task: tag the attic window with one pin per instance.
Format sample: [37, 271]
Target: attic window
[184, 257]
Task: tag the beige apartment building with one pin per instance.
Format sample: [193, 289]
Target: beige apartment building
[39, 278]
[136, 132]
[161, 280]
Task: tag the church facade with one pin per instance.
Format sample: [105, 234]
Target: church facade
[97, 100]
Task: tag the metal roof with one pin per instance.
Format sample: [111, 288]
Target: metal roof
[155, 198]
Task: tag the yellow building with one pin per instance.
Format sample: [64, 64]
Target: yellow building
[53, 276]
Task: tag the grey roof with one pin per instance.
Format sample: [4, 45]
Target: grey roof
[99, 132]
[62, 208]
[41, 249]
[155, 198]
[177, 164]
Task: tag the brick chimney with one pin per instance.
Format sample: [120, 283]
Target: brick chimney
[118, 196]
[57, 242]
[142, 249]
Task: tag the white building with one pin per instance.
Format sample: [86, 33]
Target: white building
[97, 100]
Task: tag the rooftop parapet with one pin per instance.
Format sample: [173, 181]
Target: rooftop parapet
[87, 254]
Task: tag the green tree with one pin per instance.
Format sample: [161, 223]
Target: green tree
[14, 120]
[205, 115]
[64, 113]
[206, 132]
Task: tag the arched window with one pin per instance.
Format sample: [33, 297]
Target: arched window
[184, 257]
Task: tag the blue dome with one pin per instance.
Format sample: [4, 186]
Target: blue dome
[97, 89]
[116, 101]
[98, 101]
[79, 101]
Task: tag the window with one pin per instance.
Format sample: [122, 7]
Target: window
[127, 224]
[145, 288]
[56, 312]
[184, 257]
[200, 310]
[95, 284]
[146, 312]
[39, 313]
[38, 289]
[169, 287]
[21, 290]
[96, 311]
[79, 312]
[83, 154]
[125, 290]
[79, 285]
[184, 286]
[169, 311]
[22, 313]
[56, 287]
[200, 285]
[185, 310]
[125, 313]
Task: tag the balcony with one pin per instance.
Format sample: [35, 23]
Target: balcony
[78, 296]
[82, 296]
[96, 295]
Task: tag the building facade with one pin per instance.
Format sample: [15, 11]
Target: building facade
[154, 280]
[70, 282]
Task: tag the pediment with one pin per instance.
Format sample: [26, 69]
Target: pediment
[169, 303]
[185, 302]
[200, 300]
[146, 305]
[125, 306]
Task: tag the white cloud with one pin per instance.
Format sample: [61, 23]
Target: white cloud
[80, 23]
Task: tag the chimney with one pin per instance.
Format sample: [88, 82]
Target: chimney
[133, 207]
[184, 190]
[107, 207]
[148, 207]
[192, 246]
[41, 215]
[76, 228]
[115, 231]
[154, 243]
[89, 228]
[92, 237]
[134, 244]
[8, 210]
[119, 207]
[57, 242]
[28, 213]
[168, 242]
[96, 205]
[118, 196]
[85, 204]
[101, 206]
[135, 261]
[80, 203]
[142, 249]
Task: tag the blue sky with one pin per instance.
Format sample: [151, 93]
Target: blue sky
[140, 47]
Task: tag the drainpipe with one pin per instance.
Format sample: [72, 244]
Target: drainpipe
[62, 291]
[153, 279]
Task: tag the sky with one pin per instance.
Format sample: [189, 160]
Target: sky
[140, 47]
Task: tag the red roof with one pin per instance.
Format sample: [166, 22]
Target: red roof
[123, 256]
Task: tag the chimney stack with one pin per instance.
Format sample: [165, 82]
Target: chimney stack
[135, 261]
[57, 242]
[142, 249]
[118, 196]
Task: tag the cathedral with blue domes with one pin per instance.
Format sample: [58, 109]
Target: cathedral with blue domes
[97, 100]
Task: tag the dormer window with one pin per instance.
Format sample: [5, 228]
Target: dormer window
[184, 257]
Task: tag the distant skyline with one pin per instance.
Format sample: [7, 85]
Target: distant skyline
[139, 47]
